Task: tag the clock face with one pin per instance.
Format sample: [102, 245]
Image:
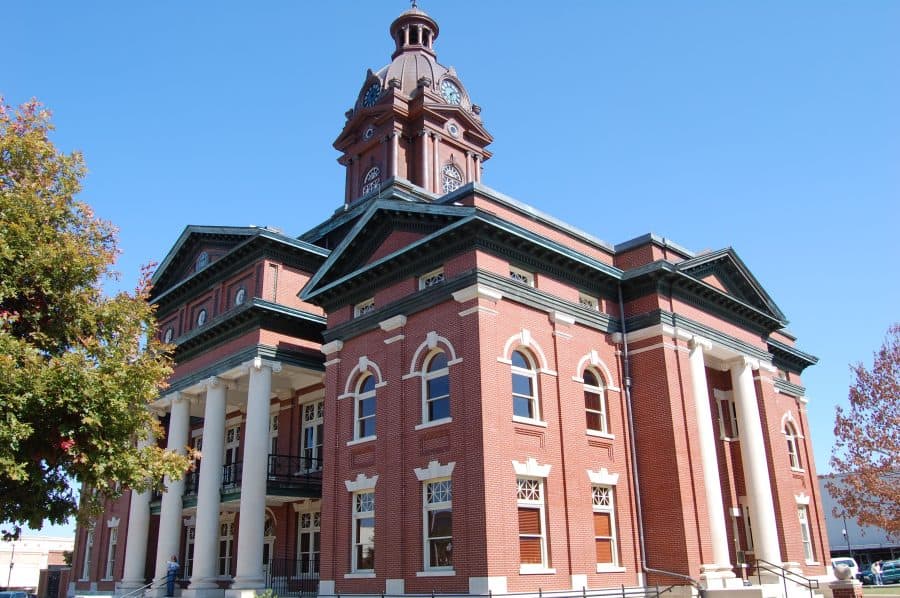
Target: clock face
[371, 95]
[451, 92]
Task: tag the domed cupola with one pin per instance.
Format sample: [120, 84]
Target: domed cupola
[412, 119]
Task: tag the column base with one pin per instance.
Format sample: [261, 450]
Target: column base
[129, 585]
[245, 592]
[719, 577]
[160, 592]
[213, 592]
[248, 583]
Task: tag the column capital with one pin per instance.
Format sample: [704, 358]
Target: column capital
[258, 363]
[217, 382]
[698, 342]
[743, 361]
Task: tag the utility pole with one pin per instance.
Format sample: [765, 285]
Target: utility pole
[11, 557]
[846, 535]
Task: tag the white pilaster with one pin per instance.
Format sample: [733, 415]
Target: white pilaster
[203, 574]
[249, 572]
[170, 510]
[756, 468]
[134, 575]
[721, 565]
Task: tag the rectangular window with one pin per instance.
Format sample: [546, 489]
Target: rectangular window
[226, 537]
[190, 535]
[273, 434]
[88, 555]
[438, 523]
[308, 543]
[111, 552]
[431, 279]
[364, 531]
[522, 276]
[748, 528]
[805, 535]
[311, 436]
[604, 525]
[532, 536]
[364, 307]
[728, 427]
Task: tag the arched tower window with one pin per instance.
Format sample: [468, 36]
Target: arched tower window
[524, 386]
[364, 408]
[451, 178]
[790, 433]
[372, 180]
[595, 403]
[436, 388]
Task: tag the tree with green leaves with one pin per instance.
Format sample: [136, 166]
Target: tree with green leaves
[867, 442]
[78, 369]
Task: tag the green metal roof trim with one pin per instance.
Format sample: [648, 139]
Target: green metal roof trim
[256, 313]
[249, 233]
[791, 356]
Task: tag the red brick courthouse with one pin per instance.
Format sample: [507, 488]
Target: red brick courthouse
[443, 389]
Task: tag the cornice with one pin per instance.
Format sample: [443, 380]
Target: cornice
[256, 313]
[790, 358]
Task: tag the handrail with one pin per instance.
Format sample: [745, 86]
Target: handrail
[786, 575]
[146, 586]
[622, 591]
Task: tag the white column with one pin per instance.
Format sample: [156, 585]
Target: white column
[721, 565]
[477, 168]
[135, 574]
[756, 466]
[249, 572]
[206, 535]
[170, 510]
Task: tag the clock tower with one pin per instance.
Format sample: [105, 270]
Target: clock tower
[412, 119]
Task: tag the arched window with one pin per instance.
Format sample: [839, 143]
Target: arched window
[364, 415]
[372, 180]
[436, 388]
[594, 403]
[451, 178]
[790, 434]
[524, 387]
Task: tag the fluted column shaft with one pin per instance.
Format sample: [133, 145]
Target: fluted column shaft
[206, 535]
[707, 440]
[249, 572]
[170, 510]
[756, 467]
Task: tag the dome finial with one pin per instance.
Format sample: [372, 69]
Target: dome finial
[415, 4]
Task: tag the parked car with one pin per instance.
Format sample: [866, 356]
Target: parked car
[849, 562]
[14, 594]
[890, 573]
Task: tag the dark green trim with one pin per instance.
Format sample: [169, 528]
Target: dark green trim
[435, 295]
[653, 318]
[789, 388]
[310, 361]
[238, 258]
[790, 358]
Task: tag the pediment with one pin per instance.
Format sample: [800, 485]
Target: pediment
[725, 271]
[387, 226]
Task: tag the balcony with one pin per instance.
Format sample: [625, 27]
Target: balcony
[288, 476]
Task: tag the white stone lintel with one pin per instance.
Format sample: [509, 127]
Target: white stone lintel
[398, 321]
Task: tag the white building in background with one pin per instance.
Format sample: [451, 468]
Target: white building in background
[21, 560]
[846, 537]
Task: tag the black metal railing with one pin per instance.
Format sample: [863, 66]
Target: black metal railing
[191, 483]
[614, 592]
[294, 577]
[282, 470]
[786, 576]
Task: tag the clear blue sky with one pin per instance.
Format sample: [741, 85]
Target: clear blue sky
[772, 127]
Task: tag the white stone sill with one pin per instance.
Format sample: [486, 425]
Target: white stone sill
[610, 569]
[436, 573]
[597, 434]
[533, 570]
[361, 575]
[362, 440]
[437, 422]
[518, 419]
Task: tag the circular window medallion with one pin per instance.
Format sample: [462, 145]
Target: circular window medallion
[369, 133]
[240, 295]
[169, 335]
[453, 130]
[201, 317]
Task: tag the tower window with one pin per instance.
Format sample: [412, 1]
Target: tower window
[372, 180]
[451, 178]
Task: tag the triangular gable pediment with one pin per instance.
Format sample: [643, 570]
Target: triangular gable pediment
[726, 272]
[386, 227]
